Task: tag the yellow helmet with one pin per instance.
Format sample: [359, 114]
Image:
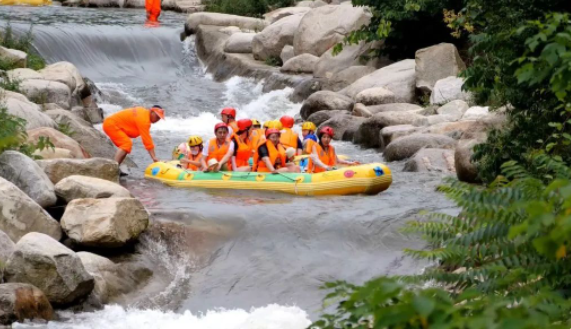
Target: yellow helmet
[308, 125]
[194, 141]
[275, 124]
[267, 123]
[255, 122]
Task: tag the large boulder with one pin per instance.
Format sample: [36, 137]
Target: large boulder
[466, 170]
[59, 140]
[65, 73]
[396, 107]
[23, 74]
[341, 123]
[460, 129]
[407, 146]
[321, 116]
[22, 301]
[203, 18]
[19, 214]
[351, 55]
[311, 3]
[399, 78]
[28, 111]
[305, 89]
[360, 110]
[16, 57]
[239, 43]
[84, 187]
[435, 63]
[270, 42]
[343, 78]
[58, 169]
[431, 160]
[49, 265]
[454, 110]
[28, 177]
[391, 133]
[447, 90]
[369, 135]
[287, 53]
[6, 248]
[276, 15]
[104, 223]
[376, 96]
[323, 27]
[325, 101]
[476, 113]
[303, 63]
[53, 153]
[46, 91]
[430, 120]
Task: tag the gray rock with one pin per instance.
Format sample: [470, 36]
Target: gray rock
[239, 43]
[407, 146]
[271, 41]
[59, 140]
[325, 101]
[58, 169]
[28, 177]
[329, 64]
[23, 74]
[368, 134]
[303, 63]
[203, 18]
[435, 63]
[19, 214]
[305, 89]
[65, 73]
[21, 301]
[276, 15]
[46, 91]
[341, 123]
[454, 109]
[447, 90]
[476, 113]
[47, 264]
[84, 187]
[376, 96]
[431, 160]
[321, 116]
[287, 53]
[32, 113]
[360, 110]
[345, 77]
[16, 57]
[6, 248]
[311, 4]
[466, 169]
[432, 120]
[391, 133]
[395, 107]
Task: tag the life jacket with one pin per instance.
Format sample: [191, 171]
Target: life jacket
[234, 126]
[256, 139]
[153, 8]
[274, 154]
[308, 147]
[215, 151]
[289, 138]
[196, 158]
[328, 158]
[243, 151]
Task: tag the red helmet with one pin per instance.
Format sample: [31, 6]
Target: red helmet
[220, 125]
[327, 130]
[244, 124]
[287, 121]
[272, 131]
[229, 111]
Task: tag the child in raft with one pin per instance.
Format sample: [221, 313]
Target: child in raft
[323, 156]
[189, 154]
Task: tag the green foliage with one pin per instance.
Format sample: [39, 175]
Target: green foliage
[273, 61]
[13, 135]
[24, 43]
[254, 8]
[65, 128]
[10, 84]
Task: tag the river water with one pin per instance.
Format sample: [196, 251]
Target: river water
[230, 259]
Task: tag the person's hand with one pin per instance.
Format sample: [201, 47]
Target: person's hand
[156, 160]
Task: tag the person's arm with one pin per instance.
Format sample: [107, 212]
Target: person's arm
[227, 155]
[345, 161]
[144, 128]
[269, 164]
[153, 156]
[315, 158]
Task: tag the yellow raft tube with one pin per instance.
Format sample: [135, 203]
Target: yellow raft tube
[25, 2]
[362, 179]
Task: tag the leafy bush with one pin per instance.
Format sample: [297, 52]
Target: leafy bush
[254, 8]
[10, 84]
[13, 135]
[24, 43]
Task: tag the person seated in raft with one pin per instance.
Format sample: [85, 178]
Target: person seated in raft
[256, 124]
[218, 148]
[288, 137]
[256, 136]
[242, 146]
[323, 156]
[228, 116]
[271, 155]
[193, 158]
[309, 138]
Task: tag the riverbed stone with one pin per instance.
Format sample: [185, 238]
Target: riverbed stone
[19, 214]
[320, 117]
[466, 169]
[22, 301]
[454, 109]
[341, 123]
[324, 27]
[391, 133]
[53, 153]
[396, 107]
[325, 101]
[270, 42]
[399, 78]
[66, 73]
[16, 57]
[460, 129]
[58, 169]
[28, 111]
[300, 64]
[25, 173]
[104, 223]
[59, 140]
[447, 90]
[40, 260]
[431, 160]
[217, 19]
[83, 187]
[376, 96]
[6, 248]
[430, 120]
[305, 89]
[45, 91]
[435, 63]
[239, 43]
[287, 53]
[22, 74]
[330, 63]
[311, 3]
[343, 78]
[407, 146]
[276, 15]
[476, 113]
[368, 134]
[360, 110]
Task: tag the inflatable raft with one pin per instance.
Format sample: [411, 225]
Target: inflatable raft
[25, 2]
[362, 179]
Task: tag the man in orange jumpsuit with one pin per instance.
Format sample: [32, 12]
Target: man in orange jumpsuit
[153, 8]
[132, 123]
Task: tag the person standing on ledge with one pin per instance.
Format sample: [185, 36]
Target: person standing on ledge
[132, 123]
[153, 8]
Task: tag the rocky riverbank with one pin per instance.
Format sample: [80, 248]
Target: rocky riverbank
[413, 109]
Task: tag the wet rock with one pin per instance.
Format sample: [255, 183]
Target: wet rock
[396, 107]
[435, 63]
[431, 160]
[341, 123]
[376, 96]
[321, 116]
[323, 27]
[276, 15]
[58, 169]
[28, 111]
[239, 43]
[6, 248]
[21, 301]
[325, 101]
[476, 113]
[204, 18]
[311, 3]
[455, 109]
[19, 214]
[407, 146]
[59, 140]
[305, 89]
[447, 90]
[391, 133]
[399, 78]
[287, 53]
[360, 110]
[28, 177]
[466, 169]
[45, 91]
[343, 78]
[40, 260]
[303, 63]
[104, 223]
[15, 57]
[270, 42]
[369, 135]
[83, 187]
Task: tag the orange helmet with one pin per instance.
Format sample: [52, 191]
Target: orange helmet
[229, 111]
[220, 125]
[327, 130]
[244, 124]
[270, 131]
[287, 121]
[158, 111]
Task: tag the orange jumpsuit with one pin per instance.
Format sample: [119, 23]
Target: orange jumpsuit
[127, 124]
[153, 8]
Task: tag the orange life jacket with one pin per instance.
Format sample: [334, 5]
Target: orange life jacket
[256, 139]
[275, 154]
[215, 151]
[243, 151]
[234, 126]
[309, 146]
[153, 8]
[328, 158]
[289, 138]
[195, 158]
